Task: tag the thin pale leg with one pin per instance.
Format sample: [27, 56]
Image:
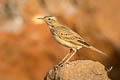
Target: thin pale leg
[65, 57]
[71, 55]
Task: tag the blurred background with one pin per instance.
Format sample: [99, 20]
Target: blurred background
[27, 49]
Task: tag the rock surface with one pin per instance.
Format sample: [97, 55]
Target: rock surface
[78, 70]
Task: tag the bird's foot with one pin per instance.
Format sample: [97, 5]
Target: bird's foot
[60, 64]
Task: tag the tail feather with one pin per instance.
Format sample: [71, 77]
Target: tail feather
[99, 51]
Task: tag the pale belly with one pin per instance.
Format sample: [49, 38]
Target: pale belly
[67, 44]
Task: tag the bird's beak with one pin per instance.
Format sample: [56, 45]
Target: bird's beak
[40, 18]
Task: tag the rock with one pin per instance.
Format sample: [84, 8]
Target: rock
[78, 70]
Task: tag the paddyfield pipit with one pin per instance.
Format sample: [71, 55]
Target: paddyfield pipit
[67, 37]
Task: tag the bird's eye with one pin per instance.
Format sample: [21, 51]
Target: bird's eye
[49, 19]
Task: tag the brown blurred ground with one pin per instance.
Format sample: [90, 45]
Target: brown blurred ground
[27, 50]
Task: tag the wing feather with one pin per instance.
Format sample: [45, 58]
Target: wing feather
[68, 35]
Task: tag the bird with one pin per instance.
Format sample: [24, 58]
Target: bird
[67, 37]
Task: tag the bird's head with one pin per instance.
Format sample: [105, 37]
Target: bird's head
[50, 20]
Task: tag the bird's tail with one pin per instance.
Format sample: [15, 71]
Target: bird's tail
[97, 50]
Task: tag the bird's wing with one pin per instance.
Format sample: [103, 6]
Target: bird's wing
[68, 35]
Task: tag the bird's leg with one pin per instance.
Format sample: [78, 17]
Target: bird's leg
[62, 61]
[71, 55]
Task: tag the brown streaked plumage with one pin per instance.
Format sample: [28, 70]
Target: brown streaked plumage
[66, 37]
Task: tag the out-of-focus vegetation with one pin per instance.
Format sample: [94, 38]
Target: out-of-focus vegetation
[27, 50]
